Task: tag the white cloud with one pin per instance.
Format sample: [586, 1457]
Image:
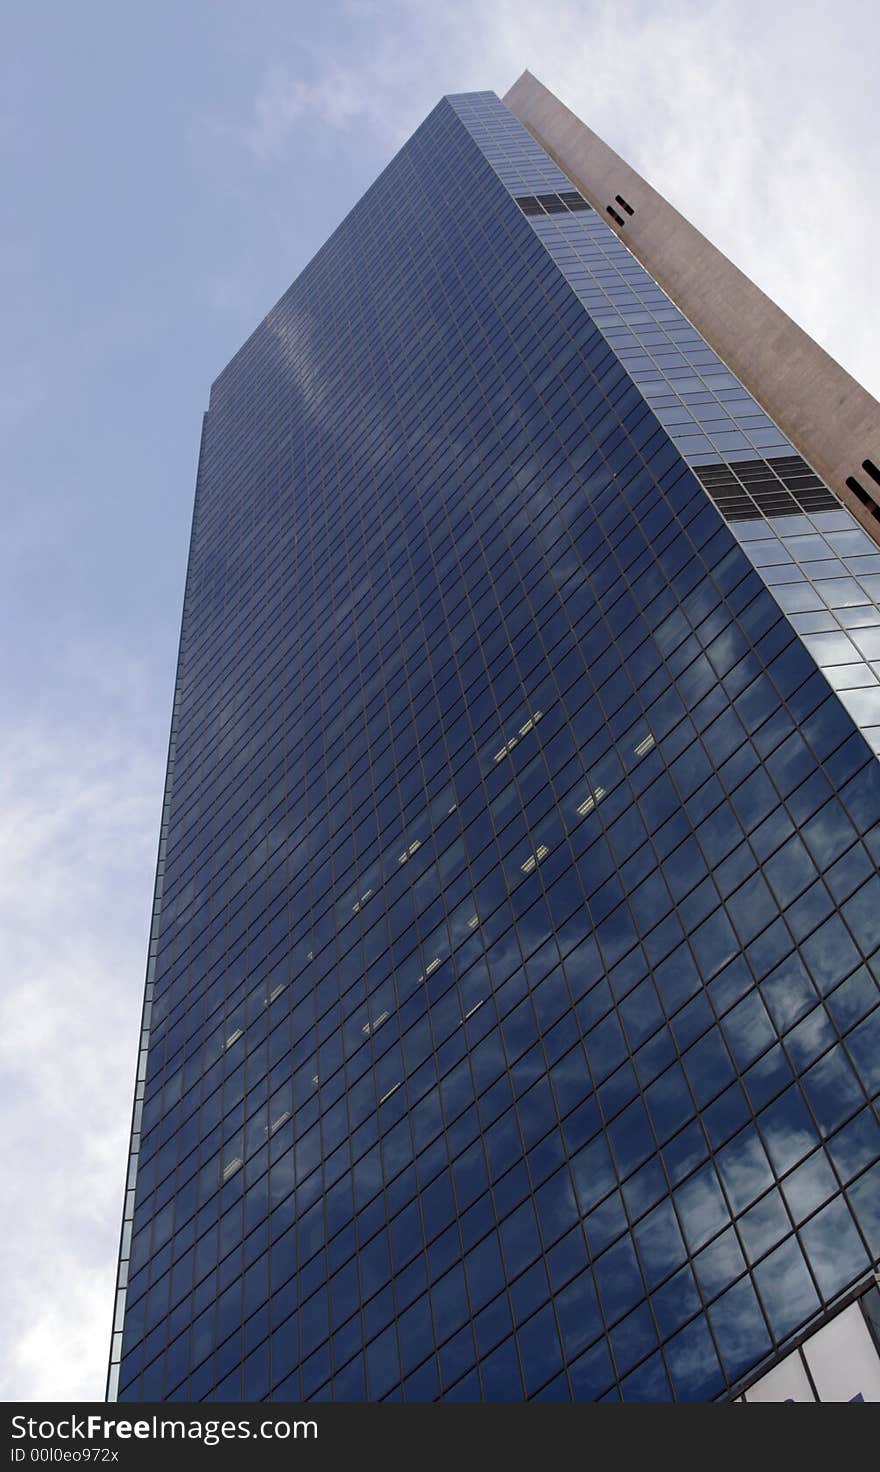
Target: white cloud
[79, 810]
[283, 100]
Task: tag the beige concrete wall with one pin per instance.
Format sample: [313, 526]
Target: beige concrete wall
[830, 419]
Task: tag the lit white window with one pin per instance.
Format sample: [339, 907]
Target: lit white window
[540, 853]
[590, 802]
[277, 1123]
[524, 730]
[370, 1027]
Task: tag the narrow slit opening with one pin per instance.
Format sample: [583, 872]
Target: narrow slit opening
[862, 495]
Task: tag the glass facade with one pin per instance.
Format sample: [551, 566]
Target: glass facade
[511, 1025]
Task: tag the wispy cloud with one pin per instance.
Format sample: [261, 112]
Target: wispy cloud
[79, 802]
[337, 98]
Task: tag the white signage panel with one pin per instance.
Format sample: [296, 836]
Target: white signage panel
[842, 1359]
[786, 1381]
[840, 1362]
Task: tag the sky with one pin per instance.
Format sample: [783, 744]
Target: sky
[168, 170]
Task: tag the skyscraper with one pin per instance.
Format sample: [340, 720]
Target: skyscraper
[511, 1025]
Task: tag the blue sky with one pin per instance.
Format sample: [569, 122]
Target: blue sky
[168, 169]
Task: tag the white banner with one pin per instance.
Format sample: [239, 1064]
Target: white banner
[838, 1363]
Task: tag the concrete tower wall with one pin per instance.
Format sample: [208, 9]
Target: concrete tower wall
[829, 418]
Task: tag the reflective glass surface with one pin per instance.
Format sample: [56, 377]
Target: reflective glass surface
[512, 1023]
[824, 572]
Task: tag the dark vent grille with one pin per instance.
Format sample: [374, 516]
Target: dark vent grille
[872, 470]
[552, 204]
[859, 491]
[750, 488]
